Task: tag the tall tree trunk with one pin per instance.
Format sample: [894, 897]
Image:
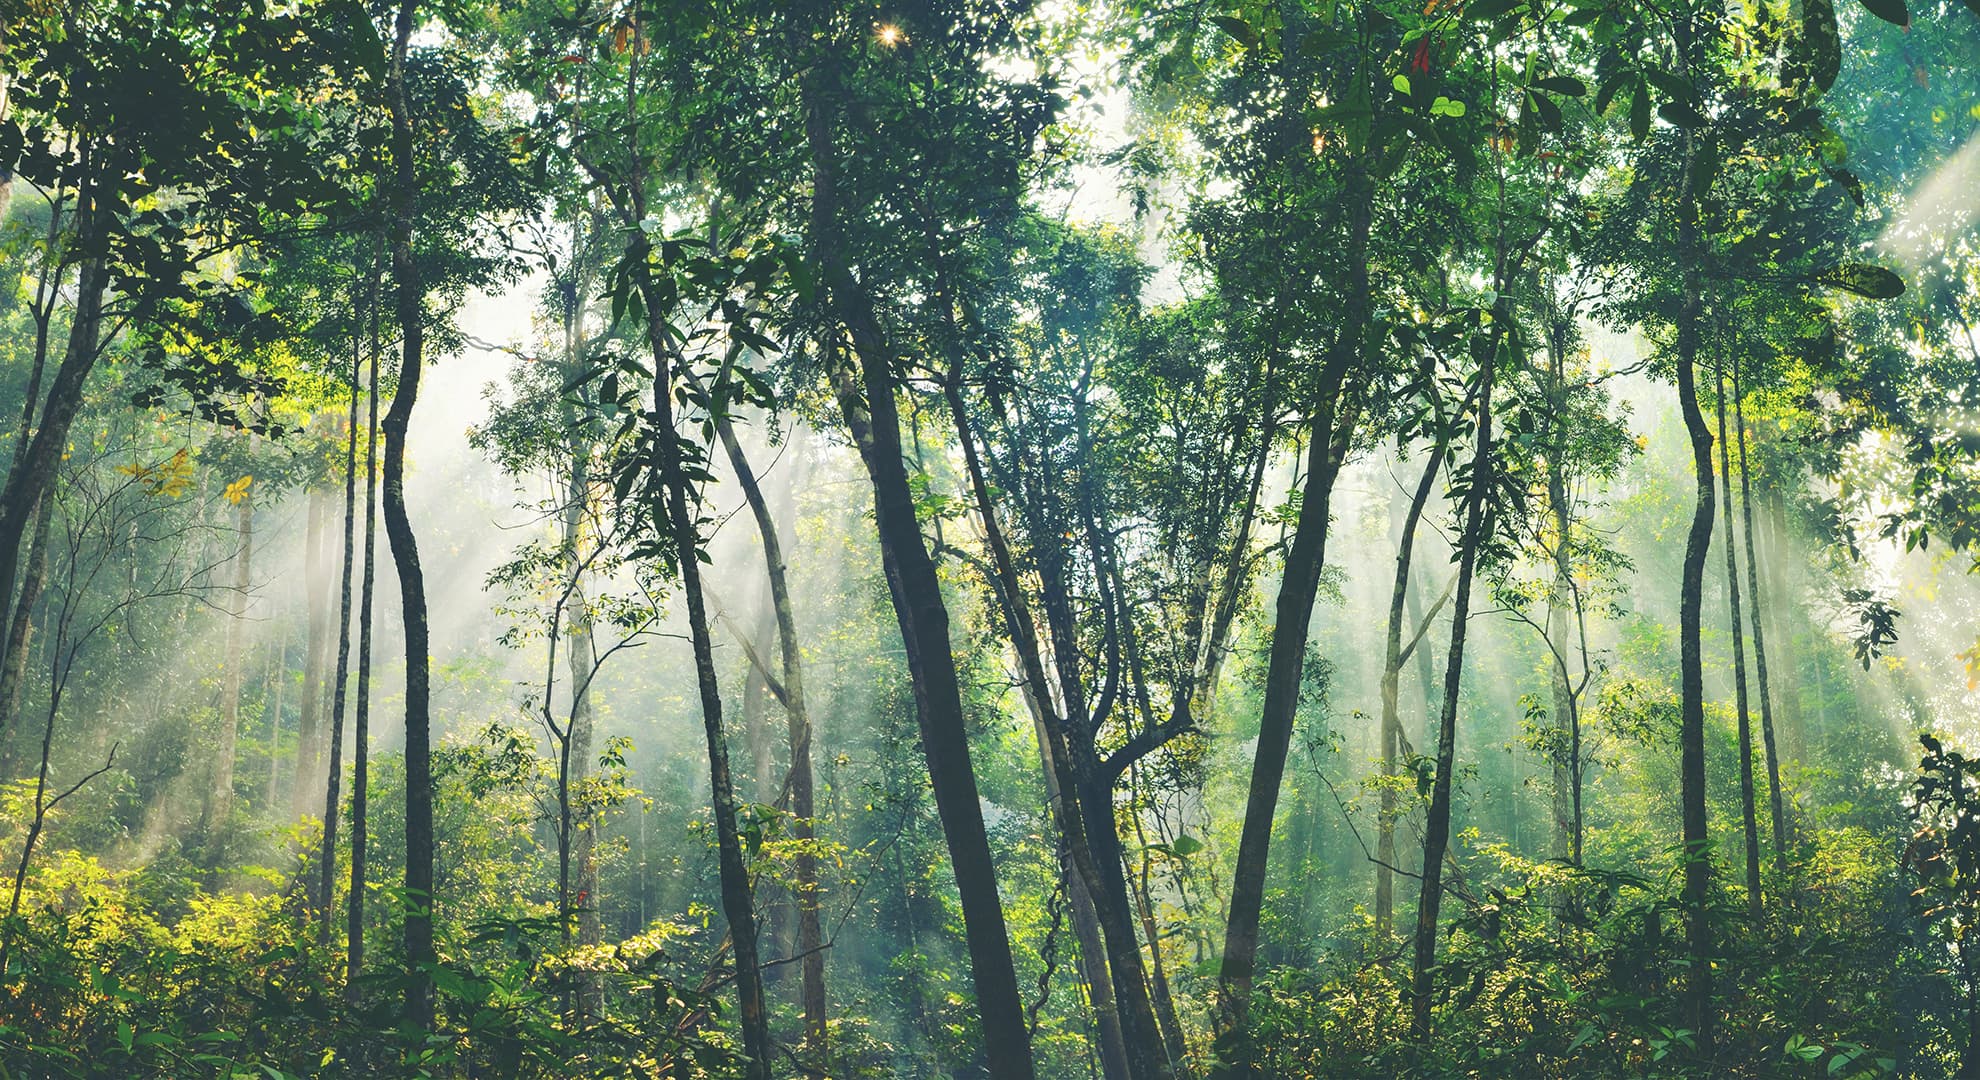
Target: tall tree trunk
[334, 776]
[1781, 611]
[1392, 662]
[1748, 825]
[673, 514]
[1335, 413]
[1697, 1002]
[220, 799]
[1086, 819]
[1775, 803]
[411, 295]
[32, 473]
[13, 668]
[923, 616]
[309, 726]
[1437, 822]
[361, 712]
[803, 792]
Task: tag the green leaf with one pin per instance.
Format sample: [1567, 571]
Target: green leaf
[1237, 28]
[1867, 280]
[1891, 11]
[1681, 114]
[1639, 112]
[1401, 83]
[1561, 84]
[1186, 845]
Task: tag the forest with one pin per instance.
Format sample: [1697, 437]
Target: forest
[1009, 539]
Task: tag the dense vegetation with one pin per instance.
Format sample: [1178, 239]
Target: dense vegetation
[1282, 538]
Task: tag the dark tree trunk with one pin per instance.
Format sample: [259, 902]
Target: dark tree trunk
[1749, 827]
[924, 620]
[411, 293]
[13, 668]
[1335, 412]
[811, 937]
[1392, 663]
[361, 713]
[334, 777]
[1437, 822]
[672, 513]
[1691, 587]
[1775, 803]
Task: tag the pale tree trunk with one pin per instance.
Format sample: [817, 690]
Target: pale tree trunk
[309, 725]
[220, 799]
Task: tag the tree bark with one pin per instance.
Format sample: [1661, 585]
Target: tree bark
[13, 669]
[334, 776]
[361, 712]
[1437, 822]
[1749, 827]
[1392, 662]
[1697, 1000]
[309, 725]
[811, 938]
[916, 589]
[411, 295]
[1336, 411]
[1775, 803]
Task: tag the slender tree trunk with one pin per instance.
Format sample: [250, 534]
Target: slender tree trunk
[220, 799]
[674, 515]
[1392, 662]
[411, 295]
[1759, 607]
[1437, 823]
[1779, 541]
[309, 726]
[361, 713]
[1749, 827]
[811, 938]
[334, 776]
[1697, 1002]
[1335, 412]
[1085, 820]
[924, 618]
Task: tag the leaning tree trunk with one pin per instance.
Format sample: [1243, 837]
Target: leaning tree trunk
[1335, 414]
[1748, 825]
[1775, 803]
[672, 513]
[1392, 662]
[916, 589]
[1437, 821]
[420, 901]
[803, 788]
[13, 668]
